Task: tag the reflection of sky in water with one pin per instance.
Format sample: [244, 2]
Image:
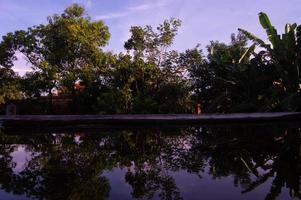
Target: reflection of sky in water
[119, 188]
[192, 187]
[211, 189]
[189, 184]
[20, 156]
[8, 196]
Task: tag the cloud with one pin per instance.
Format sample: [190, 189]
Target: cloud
[133, 10]
[202, 20]
[112, 15]
[140, 7]
[21, 65]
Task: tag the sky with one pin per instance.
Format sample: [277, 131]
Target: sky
[202, 20]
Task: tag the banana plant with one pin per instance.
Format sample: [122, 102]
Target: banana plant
[282, 50]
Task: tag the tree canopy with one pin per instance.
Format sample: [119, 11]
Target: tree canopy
[68, 59]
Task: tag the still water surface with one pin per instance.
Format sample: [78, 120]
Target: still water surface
[208, 162]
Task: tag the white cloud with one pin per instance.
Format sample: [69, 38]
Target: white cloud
[140, 7]
[112, 15]
[137, 15]
[133, 10]
[21, 65]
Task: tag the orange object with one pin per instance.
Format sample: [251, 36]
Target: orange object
[198, 109]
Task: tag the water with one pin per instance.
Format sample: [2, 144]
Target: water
[208, 162]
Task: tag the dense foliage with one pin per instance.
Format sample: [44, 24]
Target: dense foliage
[67, 60]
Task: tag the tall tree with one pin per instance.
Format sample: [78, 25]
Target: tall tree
[154, 74]
[61, 50]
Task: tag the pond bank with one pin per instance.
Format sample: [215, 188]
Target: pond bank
[146, 119]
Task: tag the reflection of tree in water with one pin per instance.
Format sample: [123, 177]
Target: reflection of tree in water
[142, 154]
[245, 153]
[59, 170]
[285, 167]
[70, 166]
[151, 179]
[6, 163]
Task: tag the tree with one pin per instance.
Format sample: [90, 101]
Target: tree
[9, 80]
[149, 77]
[217, 79]
[283, 52]
[201, 76]
[9, 84]
[63, 48]
[150, 45]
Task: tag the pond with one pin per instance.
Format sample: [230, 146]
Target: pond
[195, 162]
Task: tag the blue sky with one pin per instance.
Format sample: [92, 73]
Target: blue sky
[202, 20]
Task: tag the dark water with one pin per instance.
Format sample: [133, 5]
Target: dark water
[208, 162]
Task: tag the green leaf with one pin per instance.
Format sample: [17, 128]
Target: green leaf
[270, 30]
